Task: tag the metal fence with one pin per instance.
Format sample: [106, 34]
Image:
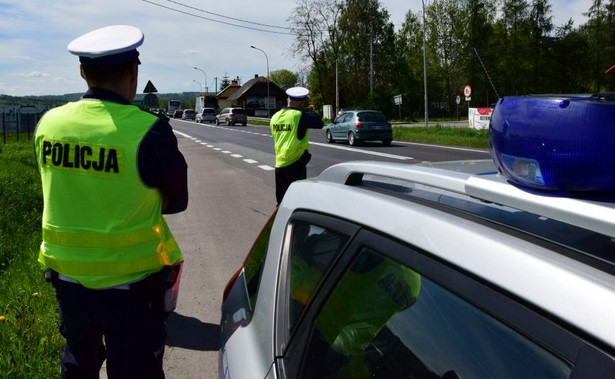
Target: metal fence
[19, 121]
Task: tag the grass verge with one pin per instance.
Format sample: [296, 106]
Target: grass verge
[30, 342]
[441, 135]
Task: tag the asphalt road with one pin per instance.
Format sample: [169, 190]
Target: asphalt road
[232, 194]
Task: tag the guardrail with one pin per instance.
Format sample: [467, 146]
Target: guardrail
[19, 120]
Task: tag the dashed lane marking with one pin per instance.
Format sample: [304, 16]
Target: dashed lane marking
[234, 155]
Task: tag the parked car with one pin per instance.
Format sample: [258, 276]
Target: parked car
[178, 113]
[442, 270]
[356, 126]
[188, 114]
[232, 116]
[207, 114]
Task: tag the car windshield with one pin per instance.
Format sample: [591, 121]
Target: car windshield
[238, 111]
[209, 111]
[371, 116]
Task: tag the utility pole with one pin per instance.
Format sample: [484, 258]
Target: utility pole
[371, 58]
[425, 68]
[337, 91]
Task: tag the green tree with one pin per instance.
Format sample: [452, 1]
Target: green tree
[410, 42]
[368, 56]
[600, 29]
[224, 82]
[285, 79]
[480, 16]
[317, 42]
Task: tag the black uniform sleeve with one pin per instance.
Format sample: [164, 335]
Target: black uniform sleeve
[308, 120]
[161, 165]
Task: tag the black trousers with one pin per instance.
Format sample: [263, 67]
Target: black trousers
[285, 176]
[132, 322]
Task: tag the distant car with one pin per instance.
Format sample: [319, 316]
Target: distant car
[232, 116]
[178, 113]
[207, 114]
[356, 126]
[188, 114]
[162, 112]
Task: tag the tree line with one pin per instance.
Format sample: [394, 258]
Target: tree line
[498, 47]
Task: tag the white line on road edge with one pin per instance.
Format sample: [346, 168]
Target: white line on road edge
[348, 148]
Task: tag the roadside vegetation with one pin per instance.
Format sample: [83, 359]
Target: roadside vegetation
[30, 341]
[440, 135]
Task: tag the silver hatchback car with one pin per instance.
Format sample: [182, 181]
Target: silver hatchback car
[232, 116]
[206, 114]
[447, 270]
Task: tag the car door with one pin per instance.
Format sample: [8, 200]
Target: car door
[344, 125]
[222, 116]
[336, 126]
[388, 310]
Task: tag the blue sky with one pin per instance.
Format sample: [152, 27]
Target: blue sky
[34, 35]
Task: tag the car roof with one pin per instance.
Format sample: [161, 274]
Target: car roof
[420, 204]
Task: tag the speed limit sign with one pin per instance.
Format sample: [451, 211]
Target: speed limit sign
[467, 91]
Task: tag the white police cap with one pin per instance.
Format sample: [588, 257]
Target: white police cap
[297, 93]
[108, 45]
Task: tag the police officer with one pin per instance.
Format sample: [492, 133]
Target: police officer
[109, 171]
[291, 138]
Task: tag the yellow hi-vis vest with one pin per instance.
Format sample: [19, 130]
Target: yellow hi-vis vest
[101, 225]
[288, 148]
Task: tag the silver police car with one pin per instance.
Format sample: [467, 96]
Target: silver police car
[472, 269]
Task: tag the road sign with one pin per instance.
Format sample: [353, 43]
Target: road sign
[458, 100]
[149, 87]
[150, 100]
[467, 90]
[397, 99]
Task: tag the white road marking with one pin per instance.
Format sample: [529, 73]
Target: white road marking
[250, 161]
[348, 148]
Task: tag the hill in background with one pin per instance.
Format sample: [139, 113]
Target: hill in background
[55, 100]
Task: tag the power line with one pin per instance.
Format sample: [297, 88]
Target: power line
[218, 21]
[230, 18]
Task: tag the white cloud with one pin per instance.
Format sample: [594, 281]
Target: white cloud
[32, 74]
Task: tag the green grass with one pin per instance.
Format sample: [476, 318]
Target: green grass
[30, 343]
[439, 135]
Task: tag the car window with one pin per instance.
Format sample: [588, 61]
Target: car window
[371, 116]
[238, 111]
[209, 111]
[385, 320]
[312, 249]
[340, 118]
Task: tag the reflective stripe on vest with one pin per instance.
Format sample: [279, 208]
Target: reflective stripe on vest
[288, 148]
[103, 240]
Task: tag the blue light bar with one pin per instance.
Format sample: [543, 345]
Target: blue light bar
[555, 142]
